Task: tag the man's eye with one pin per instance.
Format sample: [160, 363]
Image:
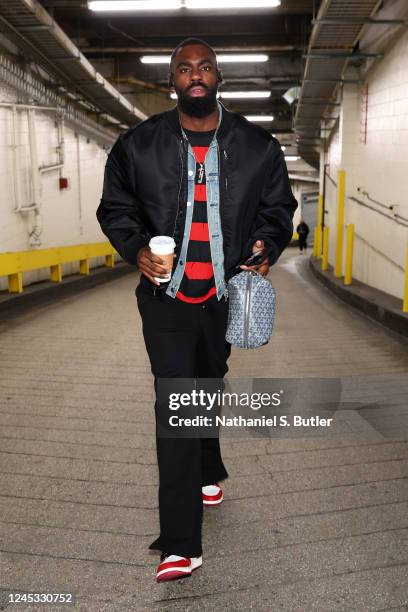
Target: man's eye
[207, 68]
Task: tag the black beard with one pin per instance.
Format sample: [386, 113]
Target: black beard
[200, 106]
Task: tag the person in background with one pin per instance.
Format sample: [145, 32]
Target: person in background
[303, 231]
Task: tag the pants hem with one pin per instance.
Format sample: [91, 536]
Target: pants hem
[210, 480]
[172, 549]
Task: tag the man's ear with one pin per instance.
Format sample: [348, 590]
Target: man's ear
[170, 81]
[219, 76]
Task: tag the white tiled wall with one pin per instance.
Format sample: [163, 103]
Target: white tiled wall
[379, 166]
[68, 216]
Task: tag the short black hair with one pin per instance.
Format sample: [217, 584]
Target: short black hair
[192, 40]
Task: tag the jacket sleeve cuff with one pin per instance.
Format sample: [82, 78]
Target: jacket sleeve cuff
[132, 246]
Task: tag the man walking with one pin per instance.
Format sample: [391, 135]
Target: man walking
[219, 186]
[303, 232]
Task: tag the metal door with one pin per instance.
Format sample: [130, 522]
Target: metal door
[309, 212]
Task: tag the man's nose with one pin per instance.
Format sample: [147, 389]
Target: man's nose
[195, 74]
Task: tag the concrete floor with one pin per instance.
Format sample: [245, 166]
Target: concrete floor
[309, 522]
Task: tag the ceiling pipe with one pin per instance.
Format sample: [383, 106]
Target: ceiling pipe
[67, 52]
[167, 50]
[362, 20]
[36, 229]
[328, 42]
[133, 81]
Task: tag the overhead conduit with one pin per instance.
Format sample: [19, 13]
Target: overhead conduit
[330, 48]
[32, 28]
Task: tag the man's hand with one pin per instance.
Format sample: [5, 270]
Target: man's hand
[150, 265]
[263, 267]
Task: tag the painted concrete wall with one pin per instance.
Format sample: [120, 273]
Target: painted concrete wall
[371, 145]
[67, 217]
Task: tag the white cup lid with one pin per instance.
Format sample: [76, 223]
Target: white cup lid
[162, 244]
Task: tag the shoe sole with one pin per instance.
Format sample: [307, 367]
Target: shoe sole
[174, 573]
[216, 502]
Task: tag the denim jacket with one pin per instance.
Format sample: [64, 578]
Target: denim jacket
[213, 215]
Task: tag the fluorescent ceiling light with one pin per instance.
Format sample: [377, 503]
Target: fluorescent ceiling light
[240, 57]
[134, 5]
[155, 59]
[245, 94]
[222, 4]
[259, 118]
[222, 59]
[165, 5]
[292, 157]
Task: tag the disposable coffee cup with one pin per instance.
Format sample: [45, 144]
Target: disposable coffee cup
[163, 246]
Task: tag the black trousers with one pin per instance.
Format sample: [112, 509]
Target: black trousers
[302, 241]
[184, 341]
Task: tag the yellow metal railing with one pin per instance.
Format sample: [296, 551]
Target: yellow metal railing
[13, 264]
[321, 242]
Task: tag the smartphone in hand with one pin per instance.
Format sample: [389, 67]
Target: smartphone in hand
[255, 259]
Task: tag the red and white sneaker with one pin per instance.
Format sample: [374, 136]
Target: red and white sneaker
[212, 495]
[173, 566]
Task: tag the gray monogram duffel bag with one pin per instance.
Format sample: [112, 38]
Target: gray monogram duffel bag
[251, 310]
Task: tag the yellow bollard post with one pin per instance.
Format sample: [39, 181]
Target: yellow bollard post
[341, 196]
[315, 242]
[349, 253]
[56, 273]
[318, 241]
[319, 225]
[405, 298]
[110, 261]
[15, 283]
[84, 266]
[325, 258]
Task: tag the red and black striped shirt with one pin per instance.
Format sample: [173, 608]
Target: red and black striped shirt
[197, 284]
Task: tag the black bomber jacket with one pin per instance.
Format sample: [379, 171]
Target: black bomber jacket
[145, 188]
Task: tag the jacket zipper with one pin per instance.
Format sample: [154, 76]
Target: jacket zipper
[226, 179]
[180, 185]
[247, 309]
